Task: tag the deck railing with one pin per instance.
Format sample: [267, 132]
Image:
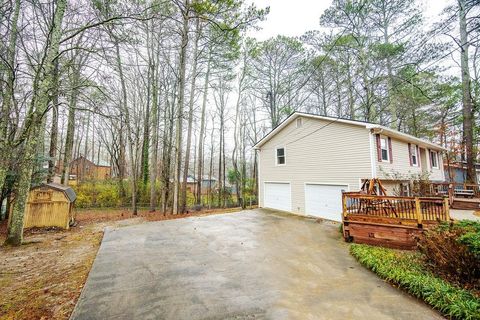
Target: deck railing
[455, 189]
[415, 209]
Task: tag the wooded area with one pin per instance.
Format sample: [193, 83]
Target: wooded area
[167, 90]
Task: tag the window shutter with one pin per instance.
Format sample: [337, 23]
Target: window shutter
[410, 154]
[379, 148]
[390, 149]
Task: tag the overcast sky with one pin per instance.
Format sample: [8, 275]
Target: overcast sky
[294, 17]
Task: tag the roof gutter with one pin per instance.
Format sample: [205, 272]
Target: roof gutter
[378, 129]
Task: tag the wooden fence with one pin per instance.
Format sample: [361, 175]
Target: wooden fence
[390, 221]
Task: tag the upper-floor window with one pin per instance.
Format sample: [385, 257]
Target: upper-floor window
[434, 159]
[413, 155]
[384, 148]
[280, 156]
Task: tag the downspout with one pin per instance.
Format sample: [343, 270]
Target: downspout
[373, 161]
[260, 193]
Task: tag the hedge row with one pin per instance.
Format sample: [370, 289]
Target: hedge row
[406, 270]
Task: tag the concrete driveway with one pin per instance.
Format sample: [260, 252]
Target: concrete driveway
[250, 265]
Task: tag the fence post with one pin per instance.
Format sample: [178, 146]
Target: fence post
[446, 207]
[418, 210]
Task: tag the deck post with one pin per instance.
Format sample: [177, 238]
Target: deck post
[450, 192]
[418, 211]
[344, 214]
[446, 207]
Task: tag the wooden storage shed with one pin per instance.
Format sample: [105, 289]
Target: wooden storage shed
[49, 205]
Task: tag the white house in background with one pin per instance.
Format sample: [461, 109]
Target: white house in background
[308, 160]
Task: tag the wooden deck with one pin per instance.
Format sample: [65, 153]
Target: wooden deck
[390, 221]
[463, 196]
[465, 203]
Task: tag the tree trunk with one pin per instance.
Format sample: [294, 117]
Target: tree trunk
[155, 124]
[40, 103]
[179, 112]
[190, 115]
[210, 171]
[121, 160]
[202, 132]
[468, 116]
[146, 134]
[67, 158]
[8, 96]
[52, 154]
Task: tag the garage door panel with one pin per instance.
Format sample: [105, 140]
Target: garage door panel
[277, 196]
[324, 201]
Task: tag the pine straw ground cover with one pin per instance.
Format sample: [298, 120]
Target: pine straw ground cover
[407, 270]
[43, 278]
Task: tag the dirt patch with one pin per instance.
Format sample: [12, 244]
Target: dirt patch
[43, 278]
[101, 215]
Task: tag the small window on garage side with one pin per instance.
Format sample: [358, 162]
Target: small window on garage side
[280, 156]
[299, 122]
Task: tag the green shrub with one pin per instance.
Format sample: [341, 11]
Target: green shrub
[407, 271]
[452, 251]
[102, 194]
[471, 236]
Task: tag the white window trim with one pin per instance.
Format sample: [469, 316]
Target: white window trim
[388, 149]
[417, 155]
[284, 155]
[436, 159]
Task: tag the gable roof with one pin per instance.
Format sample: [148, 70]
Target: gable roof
[69, 193]
[100, 163]
[367, 125]
[80, 158]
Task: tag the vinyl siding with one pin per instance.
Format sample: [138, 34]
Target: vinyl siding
[319, 151]
[400, 167]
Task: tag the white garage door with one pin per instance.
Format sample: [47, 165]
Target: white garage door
[324, 201]
[277, 196]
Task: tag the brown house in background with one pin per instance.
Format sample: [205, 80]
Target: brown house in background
[83, 169]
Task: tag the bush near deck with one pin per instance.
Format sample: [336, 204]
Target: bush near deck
[407, 270]
[452, 251]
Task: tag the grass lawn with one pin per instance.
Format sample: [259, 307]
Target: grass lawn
[406, 269]
[43, 278]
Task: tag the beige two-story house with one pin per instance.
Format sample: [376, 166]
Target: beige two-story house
[308, 160]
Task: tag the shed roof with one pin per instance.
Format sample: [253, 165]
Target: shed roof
[102, 163]
[206, 177]
[65, 189]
